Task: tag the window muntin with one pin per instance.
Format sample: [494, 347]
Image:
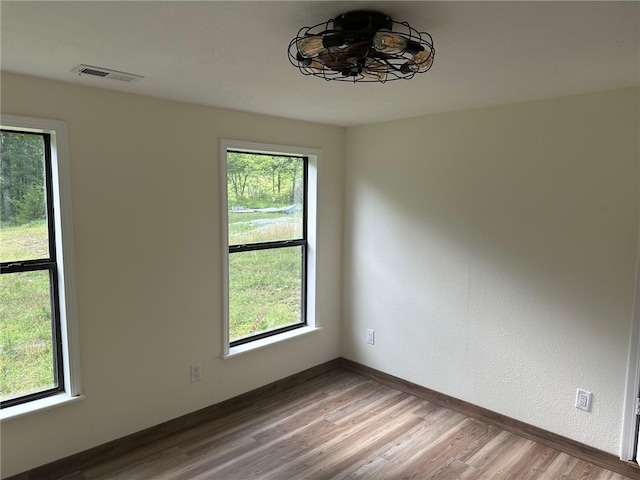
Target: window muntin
[266, 205]
[30, 340]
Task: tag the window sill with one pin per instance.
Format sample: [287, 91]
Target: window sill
[265, 342]
[28, 408]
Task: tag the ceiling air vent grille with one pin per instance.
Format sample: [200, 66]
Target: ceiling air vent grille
[106, 73]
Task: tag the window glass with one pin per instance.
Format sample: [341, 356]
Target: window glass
[29, 353]
[265, 198]
[23, 204]
[266, 211]
[26, 334]
[265, 290]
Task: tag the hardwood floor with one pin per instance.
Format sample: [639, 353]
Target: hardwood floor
[341, 425]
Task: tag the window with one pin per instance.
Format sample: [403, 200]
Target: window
[269, 211]
[38, 340]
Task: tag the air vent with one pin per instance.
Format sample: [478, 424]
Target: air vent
[106, 73]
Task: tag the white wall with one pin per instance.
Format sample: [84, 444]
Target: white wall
[146, 213]
[493, 252]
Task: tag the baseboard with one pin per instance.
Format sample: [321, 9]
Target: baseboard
[113, 449]
[544, 437]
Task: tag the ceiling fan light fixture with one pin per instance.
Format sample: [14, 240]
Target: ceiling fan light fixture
[312, 45]
[362, 46]
[312, 67]
[392, 43]
[423, 60]
[375, 70]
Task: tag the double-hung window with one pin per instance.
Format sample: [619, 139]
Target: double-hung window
[37, 298]
[269, 251]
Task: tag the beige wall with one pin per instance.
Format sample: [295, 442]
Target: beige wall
[146, 213]
[493, 251]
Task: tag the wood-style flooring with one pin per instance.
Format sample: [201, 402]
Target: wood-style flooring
[341, 425]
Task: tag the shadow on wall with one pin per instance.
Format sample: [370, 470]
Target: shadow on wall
[495, 223]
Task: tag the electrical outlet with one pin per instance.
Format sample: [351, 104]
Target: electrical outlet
[583, 400]
[195, 372]
[371, 336]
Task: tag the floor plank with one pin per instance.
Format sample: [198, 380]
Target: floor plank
[344, 426]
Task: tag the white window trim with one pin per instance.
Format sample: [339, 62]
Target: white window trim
[314, 156]
[66, 266]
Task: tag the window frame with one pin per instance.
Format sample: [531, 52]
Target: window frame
[308, 307]
[59, 219]
[277, 244]
[44, 264]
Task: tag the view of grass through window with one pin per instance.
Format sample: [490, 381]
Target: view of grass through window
[26, 345]
[266, 238]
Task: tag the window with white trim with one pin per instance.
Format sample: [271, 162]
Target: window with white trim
[38, 326]
[269, 245]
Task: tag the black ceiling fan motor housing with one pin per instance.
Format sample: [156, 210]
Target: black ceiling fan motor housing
[362, 24]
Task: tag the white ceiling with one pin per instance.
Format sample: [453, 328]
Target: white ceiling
[234, 54]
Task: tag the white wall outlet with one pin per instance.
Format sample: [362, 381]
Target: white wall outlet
[371, 336]
[195, 372]
[583, 400]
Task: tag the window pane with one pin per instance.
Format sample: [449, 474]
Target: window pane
[265, 290]
[23, 211]
[26, 346]
[265, 198]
